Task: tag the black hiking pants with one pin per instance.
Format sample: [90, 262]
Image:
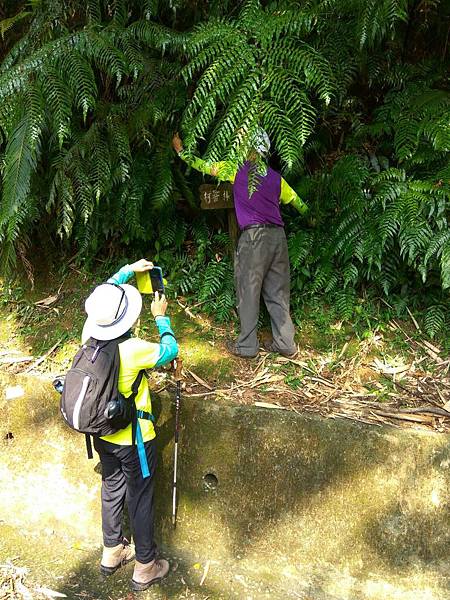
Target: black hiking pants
[122, 480]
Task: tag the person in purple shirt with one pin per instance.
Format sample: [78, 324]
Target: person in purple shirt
[261, 260]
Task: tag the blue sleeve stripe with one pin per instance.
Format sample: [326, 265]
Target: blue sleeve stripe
[167, 353]
[122, 276]
[168, 347]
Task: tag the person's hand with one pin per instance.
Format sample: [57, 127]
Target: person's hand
[140, 266]
[159, 305]
[177, 143]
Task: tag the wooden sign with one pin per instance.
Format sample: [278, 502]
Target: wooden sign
[216, 196]
[221, 196]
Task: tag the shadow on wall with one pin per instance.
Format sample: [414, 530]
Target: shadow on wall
[414, 527]
[297, 489]
[303, 490]
[403, 537]
[266, 472]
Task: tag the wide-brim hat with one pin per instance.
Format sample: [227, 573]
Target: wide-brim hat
[112, 310]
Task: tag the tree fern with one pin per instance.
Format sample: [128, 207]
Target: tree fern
[352, 93]
[268, 78]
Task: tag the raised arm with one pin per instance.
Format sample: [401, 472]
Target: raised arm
[146, 355]
[289, 196]
[168, 347]
[223, 170]
[126, 272]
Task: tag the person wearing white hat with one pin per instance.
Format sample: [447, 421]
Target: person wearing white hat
[112, 309]
[261, 259]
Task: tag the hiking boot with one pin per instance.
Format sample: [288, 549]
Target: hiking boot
[270, 347]
[114, 558]
[231, 347]
[146, 575]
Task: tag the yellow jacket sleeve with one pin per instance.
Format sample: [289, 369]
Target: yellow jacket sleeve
[223, 170]
[289, 196]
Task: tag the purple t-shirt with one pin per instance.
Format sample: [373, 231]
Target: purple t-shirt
[263, 207]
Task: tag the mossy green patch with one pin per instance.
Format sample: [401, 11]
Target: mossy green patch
[33, 321]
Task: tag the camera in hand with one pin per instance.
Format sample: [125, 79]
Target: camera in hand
[149, 282]
[157, 280]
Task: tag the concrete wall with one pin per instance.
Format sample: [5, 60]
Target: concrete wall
[297, 503]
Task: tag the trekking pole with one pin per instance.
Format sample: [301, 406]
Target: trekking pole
[178, 364]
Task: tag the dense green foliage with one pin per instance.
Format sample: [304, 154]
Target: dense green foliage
[353, 94]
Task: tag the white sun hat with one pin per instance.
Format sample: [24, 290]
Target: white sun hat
[112, 310]
[261, 142]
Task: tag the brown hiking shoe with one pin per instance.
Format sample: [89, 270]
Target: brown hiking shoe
[114, 558]
[270, 347]
[146, 575]
[231, 347]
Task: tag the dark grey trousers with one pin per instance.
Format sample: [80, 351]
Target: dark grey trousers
[262, 267]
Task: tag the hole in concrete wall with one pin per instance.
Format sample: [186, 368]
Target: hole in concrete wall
[210, 482]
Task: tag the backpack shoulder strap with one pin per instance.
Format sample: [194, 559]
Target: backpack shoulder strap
[136, 384]
[132, 398]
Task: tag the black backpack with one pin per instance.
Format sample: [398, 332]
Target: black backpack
[91, 402]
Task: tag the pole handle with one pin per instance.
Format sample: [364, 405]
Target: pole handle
[178, 367]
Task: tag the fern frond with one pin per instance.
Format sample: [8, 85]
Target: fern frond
[378, 18]
[102, 52]
[306, 62]
[245, 96]
[162, 181]
[155, 35]
[434, 321]
[80, 78]
[282, 130]
[345, 303]
[285, 91]
[59, 101]
[14, 233]
[21, 155]
[93, 12]
[299, 246]
[119, 142]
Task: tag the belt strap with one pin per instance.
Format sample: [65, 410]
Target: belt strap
[262, 226]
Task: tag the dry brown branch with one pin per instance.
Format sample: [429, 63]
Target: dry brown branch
[43, 357]
[200, 380]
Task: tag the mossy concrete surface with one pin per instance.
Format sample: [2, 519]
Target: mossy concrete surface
[272, 504]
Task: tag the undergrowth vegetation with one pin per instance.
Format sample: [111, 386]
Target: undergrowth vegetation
[353, 94]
